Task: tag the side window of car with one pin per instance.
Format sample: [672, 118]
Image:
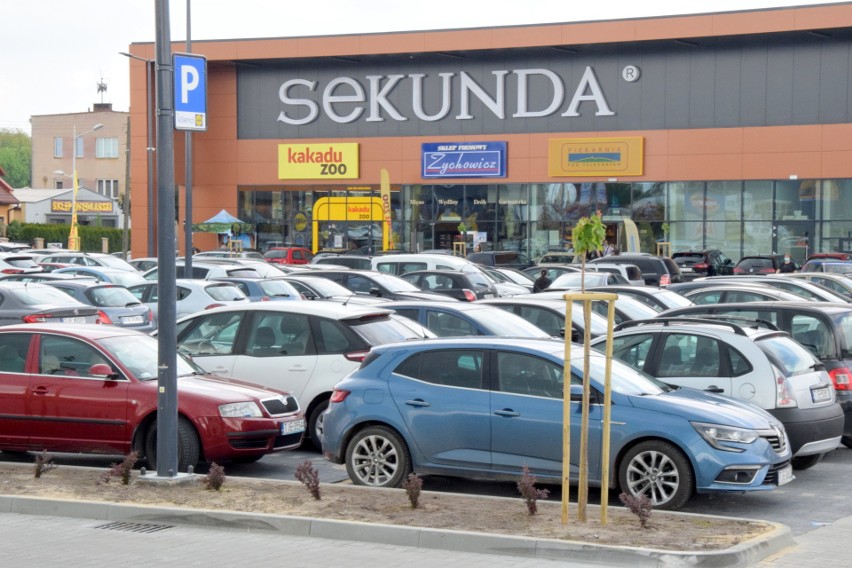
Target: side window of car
[412, 267]
[410, 367]
[280, 335]
[454, 368]
[704, 357]
[444, 325]
[632, 349]
[213, 335]
[66, 356]
[704, 298]
[544, 319]
[387, 267]
[333, 337]
[678, 352]
[740, 296]
[359, 284]
[519, 373]
[13, 352]
[812, 333]
[739, 364]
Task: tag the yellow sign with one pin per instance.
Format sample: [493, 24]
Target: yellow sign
[586, 157]
[318, 161]
[330, 209]
[300, 220]
[82, 206]
[386, 204]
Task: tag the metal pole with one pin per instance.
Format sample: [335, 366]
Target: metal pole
[125, 210]
[73, 237]
[167, 446]
[149, 111]
[187, 229]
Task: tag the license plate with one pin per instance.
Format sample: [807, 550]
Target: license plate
[686, 269]
[486, 295]
[293, 427]
[821, 394]
[74, 320]
[785, 475]
[132, 319]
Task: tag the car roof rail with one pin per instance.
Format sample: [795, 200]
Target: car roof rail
[677, 320]
[744, 321]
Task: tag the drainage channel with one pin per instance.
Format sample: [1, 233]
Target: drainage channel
[134, 527]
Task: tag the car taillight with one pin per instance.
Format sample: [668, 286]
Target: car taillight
[739, 271]
[356, 356]
[783, 392]
[150, 316]
[103, 318]
[665, 280]
[265, 299]
[36, 318]
[767, 270]
[842, 378]
[469, 295]
[211, 306]
[700, 266]
[11, 271]
[338, 395]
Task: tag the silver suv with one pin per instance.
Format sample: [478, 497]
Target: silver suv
[765, 367]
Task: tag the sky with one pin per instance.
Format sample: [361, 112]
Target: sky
[54, 53]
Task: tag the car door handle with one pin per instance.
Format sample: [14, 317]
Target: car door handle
[417, 402]
[714, 389]
[41, 391]
[507, 412]
[298, 368]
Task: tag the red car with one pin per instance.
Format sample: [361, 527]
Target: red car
[288, 255]
[93, 388]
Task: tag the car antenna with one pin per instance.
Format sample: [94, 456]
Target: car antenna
[346, 301]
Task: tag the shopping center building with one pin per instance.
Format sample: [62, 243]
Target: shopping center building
[729, 131]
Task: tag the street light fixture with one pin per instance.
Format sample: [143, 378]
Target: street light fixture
[149, 67]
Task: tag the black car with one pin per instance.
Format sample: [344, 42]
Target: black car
[759, 264]
[379, 284]
[506, 258]
[656, 270]
[464, 286]
[824, 328]
[710, 262]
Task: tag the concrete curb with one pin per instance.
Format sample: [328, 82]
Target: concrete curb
[743, 554]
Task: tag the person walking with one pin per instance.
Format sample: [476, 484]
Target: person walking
[787, 266]
[542, 282]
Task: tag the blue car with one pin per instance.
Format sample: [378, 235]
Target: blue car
[485, 407]
[453, 318]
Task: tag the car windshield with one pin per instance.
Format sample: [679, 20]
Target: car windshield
[278, 289]
[624, 378]
[139, 353]
[499, 323]
[393, 283]
[224, 292]
[114, 262]
[112, 297]
[790, 357]
[325, 287]
[573, 280]
[33, 295]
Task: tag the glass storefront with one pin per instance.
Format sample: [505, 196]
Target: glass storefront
[739, 218]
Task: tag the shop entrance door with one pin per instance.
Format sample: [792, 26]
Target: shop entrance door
[793, 237]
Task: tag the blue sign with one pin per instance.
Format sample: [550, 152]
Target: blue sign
[190, 91]
[464, 159]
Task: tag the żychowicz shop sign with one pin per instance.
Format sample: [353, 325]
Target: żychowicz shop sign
[318, 161]
[64, 206]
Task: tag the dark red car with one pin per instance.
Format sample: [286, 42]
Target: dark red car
[288, 255]
[94, 388]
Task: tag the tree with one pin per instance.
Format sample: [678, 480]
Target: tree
[16, 157]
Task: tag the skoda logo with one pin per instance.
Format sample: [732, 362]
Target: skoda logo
[76, 312]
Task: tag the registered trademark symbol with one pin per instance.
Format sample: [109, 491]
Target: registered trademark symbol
[630, 73]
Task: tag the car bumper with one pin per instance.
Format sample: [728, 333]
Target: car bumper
[234, 438]
[812, 430]
[845, 400]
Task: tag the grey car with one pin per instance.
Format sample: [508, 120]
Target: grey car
[31, 302]
[115, 302]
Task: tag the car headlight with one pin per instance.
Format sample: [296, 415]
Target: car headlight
[240, 410]
[720, 436]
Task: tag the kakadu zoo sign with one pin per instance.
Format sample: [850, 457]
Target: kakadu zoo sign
[505, 94]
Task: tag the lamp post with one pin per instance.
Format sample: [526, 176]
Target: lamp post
[73, 237]
[149, 67]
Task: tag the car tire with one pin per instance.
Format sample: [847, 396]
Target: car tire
[189, 447]
[659, 471]
[315, 421]
[846, 441]
[377, 457]
[806, 462]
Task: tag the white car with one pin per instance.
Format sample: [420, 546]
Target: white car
[192, 295]
[307, 346]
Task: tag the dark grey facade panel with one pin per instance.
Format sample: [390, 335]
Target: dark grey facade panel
[760, 81]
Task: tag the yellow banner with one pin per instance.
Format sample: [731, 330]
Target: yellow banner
[585, 157]
[82, 206]
[318, 161]
[386, 204]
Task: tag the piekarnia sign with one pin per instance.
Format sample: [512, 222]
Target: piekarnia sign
[464, 159]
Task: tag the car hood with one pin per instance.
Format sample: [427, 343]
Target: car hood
[222, 389]
[698, 406]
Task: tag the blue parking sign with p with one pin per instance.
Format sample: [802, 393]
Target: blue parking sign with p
[190, 82]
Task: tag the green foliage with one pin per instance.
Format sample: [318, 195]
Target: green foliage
[588, 234]
[90, 235]
[16, 157]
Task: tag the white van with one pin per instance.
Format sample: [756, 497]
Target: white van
[631, 272]
[399, 264]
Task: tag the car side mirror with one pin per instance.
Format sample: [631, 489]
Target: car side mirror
[375, 292]
[102, 370]
[576, 393]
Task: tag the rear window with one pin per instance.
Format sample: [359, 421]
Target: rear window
[224, 292]
[112, 297]
[381, 329]
[790, 357]
[21, 262]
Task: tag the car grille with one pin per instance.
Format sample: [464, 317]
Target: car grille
[776, 439]
[772, 475]
[288, 440]
[278, 406]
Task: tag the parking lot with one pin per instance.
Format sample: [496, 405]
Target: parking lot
[818, 496]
